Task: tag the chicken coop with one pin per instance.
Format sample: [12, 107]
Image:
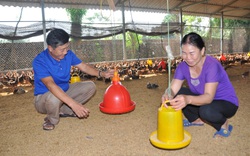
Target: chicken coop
[107, 42]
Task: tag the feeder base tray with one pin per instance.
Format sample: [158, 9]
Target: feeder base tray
[110, 110]
[170, 144]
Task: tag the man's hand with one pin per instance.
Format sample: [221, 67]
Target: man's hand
[108, 74]
[80, 111]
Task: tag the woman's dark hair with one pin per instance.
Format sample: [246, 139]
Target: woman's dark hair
[193, 39]
[57, 37]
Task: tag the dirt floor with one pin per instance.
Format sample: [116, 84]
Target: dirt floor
[117, 135]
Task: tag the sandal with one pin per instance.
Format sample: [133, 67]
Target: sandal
[223, 132]
[48, 125]
[186, 123]
[67, 115]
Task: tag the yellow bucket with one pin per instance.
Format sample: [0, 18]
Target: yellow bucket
[75, 78]
[170, 125]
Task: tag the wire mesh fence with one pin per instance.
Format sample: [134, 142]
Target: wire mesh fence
[19, 56]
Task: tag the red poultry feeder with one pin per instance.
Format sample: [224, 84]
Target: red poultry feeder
[116, 98]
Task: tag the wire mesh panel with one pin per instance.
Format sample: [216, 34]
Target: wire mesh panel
[4, 53]
[15, 56]
[99, 50]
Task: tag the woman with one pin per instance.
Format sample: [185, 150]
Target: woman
[210, 97]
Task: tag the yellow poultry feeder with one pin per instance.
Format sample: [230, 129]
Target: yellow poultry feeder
[75, 78]
[170, 133]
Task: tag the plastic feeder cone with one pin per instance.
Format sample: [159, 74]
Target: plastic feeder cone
[116, 98]
[75, 78]
[170, 133]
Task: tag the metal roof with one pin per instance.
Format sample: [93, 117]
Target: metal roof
[239, 9]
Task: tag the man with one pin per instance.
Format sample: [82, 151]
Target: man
[54, 95]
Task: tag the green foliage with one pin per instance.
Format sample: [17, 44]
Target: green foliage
[230, 23]
[211, 29]
[132, 39]
[192, 23]
[98, 17]
[170, 18]
[76, 15]
[195, 24]
[99, 52]
[5, 41]
[229, 26]
[132, 43]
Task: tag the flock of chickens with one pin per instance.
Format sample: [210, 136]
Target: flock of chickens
[13, 79]
[230, 60]
[127, 70]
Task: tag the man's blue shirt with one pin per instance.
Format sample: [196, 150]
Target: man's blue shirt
[45, 65]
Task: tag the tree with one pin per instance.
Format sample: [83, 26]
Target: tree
[170, 18]
[133, 43]
[76, 16]
[195, 24]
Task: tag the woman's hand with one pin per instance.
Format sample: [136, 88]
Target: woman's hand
[179, 102]
[165, 98]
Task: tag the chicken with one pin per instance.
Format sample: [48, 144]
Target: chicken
[30, 77]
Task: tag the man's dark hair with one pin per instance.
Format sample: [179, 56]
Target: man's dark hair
[57, 37]
[193, 39]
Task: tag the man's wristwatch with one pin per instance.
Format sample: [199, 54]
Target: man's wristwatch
[99, 74]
